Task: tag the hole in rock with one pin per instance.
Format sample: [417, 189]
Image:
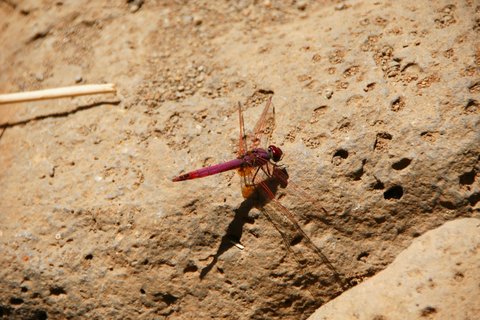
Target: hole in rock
[296, 240]
[395, 192]
[428, 311]
[166, 297]
[379, 185]
[190, 268]
[401, 164]
[16, 301]
[474, 198]
[57, 291]
[448, 205]
[362, 256]
[342, 153]
[39, 315]
[467, 178]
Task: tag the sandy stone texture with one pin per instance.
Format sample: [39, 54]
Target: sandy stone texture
[436, 277]
[377, 112]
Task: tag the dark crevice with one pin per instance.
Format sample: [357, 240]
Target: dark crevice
[472, 106]
[428, 311]
[342, 153]
[448, 205]
[381, 140]
[166, 297]
[5, 311]
[16, 301]
[362, 256]
[397, 104]
[58, 114]
[379, 185]
[190, 268]
[265, 91]
[401, 164]
[467, 178]
[57, 291]
[39, 35]
[380, 219]
[296, 240]
[395, 192]
[474, 198]
[357, 175]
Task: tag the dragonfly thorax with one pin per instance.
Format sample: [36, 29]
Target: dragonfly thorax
[275, 153]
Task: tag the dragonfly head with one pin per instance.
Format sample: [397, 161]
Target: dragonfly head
[275, 153]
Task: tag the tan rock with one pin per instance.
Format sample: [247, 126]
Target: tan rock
[382, 129]
[436, 277]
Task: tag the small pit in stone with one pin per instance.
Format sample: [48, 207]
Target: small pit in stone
[296, 240]
[16, 301]
[428, 311]
[467, 178]
[381, 141]
[56, 291]
[401, 164]
[397, 104]
[342, 153]
[472, 106]
[474, 198]
[165, 297]
[338, 156]
[363, 256]
[190, 268]
[395, 192]
[378, 185]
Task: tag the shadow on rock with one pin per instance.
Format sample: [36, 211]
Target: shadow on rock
[263, 193]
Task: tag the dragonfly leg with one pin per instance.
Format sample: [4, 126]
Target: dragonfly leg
[267, 172]
[256, 172]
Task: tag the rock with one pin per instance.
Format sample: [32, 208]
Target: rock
[380, 139]
[435, 277]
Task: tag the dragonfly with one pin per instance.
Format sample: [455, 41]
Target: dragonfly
[260, 172]
[249, 160]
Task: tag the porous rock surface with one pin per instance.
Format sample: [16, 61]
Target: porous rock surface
[436, 277]
[377, 112]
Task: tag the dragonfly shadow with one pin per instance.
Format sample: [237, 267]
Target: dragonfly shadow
[257, 199]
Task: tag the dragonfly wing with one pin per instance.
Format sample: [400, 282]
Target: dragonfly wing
[264, 126]
[242, 141]
[246, 173]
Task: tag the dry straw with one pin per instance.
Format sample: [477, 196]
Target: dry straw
[56, 93]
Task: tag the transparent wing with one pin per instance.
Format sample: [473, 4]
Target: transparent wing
[246, 173]
[242, 141]
[264, 127]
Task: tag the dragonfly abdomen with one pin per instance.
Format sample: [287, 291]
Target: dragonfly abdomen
[208, 171]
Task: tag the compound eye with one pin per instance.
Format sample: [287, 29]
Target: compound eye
[276, 153]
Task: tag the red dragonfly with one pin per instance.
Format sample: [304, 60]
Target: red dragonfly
[258, 167]
[250, 160]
